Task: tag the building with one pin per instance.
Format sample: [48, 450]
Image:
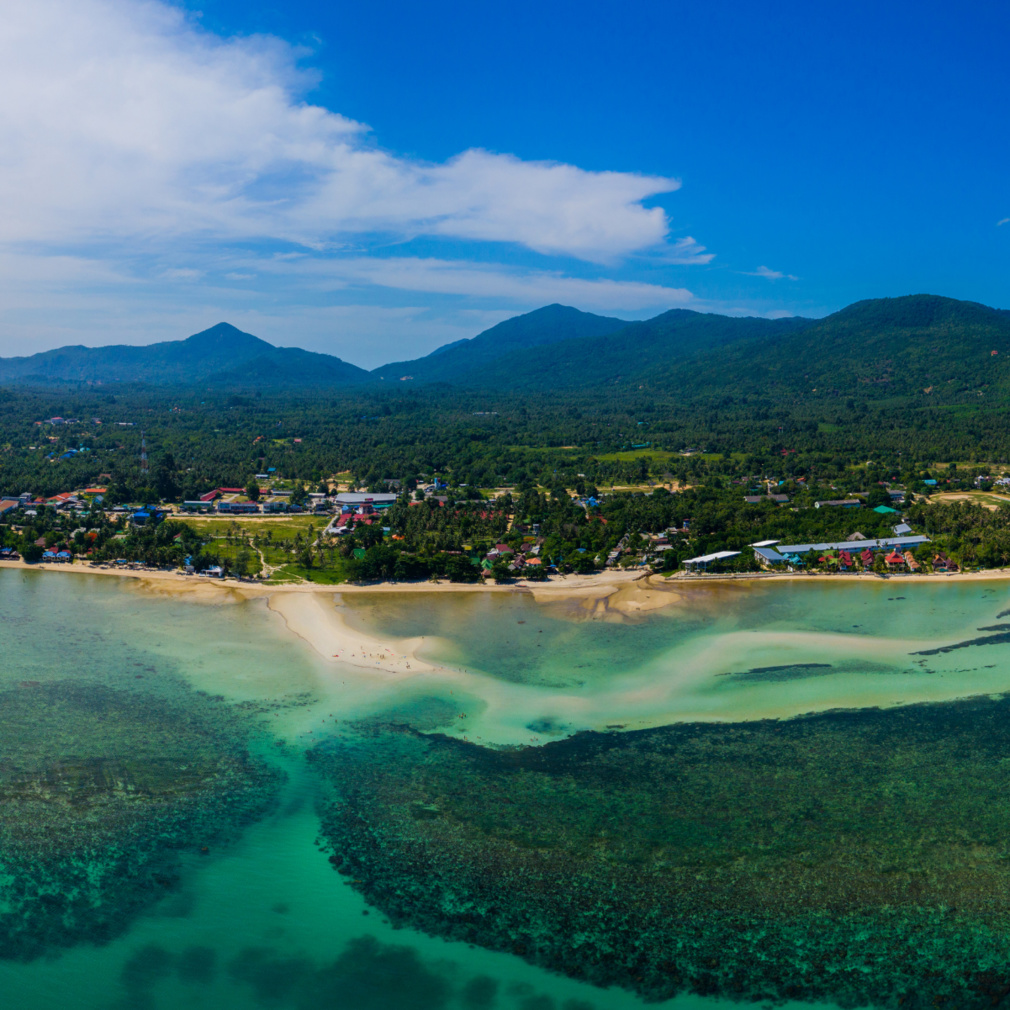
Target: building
[238, 507]
[377, 499]
[702, 562]
[767, 556]
[883, 544]
[845, 503]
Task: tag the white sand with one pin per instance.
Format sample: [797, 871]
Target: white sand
[315, 619]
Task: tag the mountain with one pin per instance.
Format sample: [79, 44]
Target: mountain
[922, 347]
[453, 362]
[222, 355]
[635, 352]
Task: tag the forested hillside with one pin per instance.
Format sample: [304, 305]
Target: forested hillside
[459, 362]
[222, 355]
[638, 352]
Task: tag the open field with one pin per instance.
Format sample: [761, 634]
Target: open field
[989, 499]
[278, 548]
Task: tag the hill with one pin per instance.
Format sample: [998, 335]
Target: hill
[455, 362]
[919, 347]
[222, 355]
[637, 352]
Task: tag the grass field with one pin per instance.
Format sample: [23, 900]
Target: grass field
[272, 547]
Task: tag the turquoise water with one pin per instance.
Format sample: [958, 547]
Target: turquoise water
[267, 922]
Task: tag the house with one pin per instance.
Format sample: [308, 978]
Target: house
[885, 511]
[902, 529]
[756, 499]
[866, 557]
[8, 505]
[897, 496]
[854, 536]
[844, 559]
[941, 563]
[894, 560]
[913, 565]
[845, 503]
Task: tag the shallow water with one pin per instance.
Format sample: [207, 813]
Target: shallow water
[533, 673]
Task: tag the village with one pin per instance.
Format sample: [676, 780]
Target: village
[281, 531]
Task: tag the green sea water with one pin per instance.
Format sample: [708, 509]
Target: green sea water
[262, 919]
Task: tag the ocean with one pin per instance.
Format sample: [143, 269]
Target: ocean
[191, 793]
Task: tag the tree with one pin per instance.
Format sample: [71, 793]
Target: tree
[252, 491]
[31, 553]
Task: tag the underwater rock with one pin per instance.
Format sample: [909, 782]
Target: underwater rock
[858, 857]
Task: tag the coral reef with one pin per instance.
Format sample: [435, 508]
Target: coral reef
[101, 792]
[859, 857]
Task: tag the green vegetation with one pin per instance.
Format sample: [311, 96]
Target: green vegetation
[894, 392]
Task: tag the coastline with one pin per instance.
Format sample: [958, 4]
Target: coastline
[566, 586]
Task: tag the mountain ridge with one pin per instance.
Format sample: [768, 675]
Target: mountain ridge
[903, 345]
[220, 354]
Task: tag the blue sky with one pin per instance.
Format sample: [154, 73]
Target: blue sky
[373, 180]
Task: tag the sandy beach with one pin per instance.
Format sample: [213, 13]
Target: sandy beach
[315, 619]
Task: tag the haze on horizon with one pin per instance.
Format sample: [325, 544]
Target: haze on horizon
[374, 181]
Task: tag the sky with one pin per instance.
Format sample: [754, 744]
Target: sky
[376, 179]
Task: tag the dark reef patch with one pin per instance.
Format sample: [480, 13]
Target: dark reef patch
[789, 671]
[101, 792]
[856, 857]
[999, 639]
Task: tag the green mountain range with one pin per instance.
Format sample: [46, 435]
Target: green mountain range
[920, 347]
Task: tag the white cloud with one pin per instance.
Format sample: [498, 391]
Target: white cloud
[769, 274]
[1006, 220]
[450, 277]
[122, 120]
[141, 156]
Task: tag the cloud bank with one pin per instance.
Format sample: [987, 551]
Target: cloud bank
[139, 148]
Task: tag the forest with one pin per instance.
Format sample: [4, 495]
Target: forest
[691, 414]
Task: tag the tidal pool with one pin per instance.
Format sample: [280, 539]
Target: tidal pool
[778, 842]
